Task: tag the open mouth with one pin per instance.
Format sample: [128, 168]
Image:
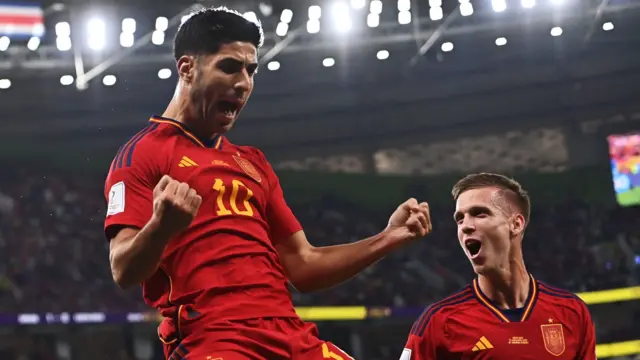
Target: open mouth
[229, 108]
[473, 246]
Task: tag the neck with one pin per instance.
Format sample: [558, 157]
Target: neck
[507, 287]
[180, 111]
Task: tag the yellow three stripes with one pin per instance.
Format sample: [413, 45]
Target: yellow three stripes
[186, 162]
[483, 344]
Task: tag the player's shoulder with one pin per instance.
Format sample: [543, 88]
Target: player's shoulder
[251, 153]
[142, 144]
[560, 297]
[439, 311]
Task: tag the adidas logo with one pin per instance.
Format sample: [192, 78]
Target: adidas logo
[482, 344]
[186, 162]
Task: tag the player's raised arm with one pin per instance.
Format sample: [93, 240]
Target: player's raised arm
[135, 255]
[311, 268]
[140, 201]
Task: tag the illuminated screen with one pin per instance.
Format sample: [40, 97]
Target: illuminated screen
[624, 151]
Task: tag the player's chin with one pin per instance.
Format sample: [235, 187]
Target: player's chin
[478, 263]
[224, 123]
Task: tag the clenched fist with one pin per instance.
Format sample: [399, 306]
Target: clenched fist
[175, 204]
[410, 221]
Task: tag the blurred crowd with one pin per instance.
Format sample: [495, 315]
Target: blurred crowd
[52, 247]
[54, 257]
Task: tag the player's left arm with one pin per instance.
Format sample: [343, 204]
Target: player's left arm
[587, 349]
[311, 268]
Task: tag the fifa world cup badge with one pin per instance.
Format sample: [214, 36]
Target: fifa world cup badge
[553, 337]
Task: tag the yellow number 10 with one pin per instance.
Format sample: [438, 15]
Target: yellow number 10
[233, 200]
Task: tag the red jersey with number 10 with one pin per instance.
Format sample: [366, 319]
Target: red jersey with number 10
[554, 324]
[225, 264]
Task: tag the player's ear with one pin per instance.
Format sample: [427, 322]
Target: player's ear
[517, 224]
[186, 68]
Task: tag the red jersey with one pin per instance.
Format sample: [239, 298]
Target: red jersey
[554, 324]
[225, 264]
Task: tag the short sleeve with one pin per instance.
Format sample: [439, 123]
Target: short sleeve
[282, 222]
[129, 192]
[425, 339]
[588, 344]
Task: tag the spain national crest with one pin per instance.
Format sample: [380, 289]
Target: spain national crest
[248, 168]
[553, 337]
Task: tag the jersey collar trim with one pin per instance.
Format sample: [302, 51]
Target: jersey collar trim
[528, 307]
[215, 143]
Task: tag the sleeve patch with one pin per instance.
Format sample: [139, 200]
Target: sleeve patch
[406, 354]
[116, 199]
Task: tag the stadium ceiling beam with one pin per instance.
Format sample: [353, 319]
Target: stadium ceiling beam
[596, 18]
[49, 57]
[435, 36]
[281, 45]
[415, 20]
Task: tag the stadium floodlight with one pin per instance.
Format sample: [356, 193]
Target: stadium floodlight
[157, 38]
[164, 73]
[265, 9]
[358, 4]
[404, 17]
[435, 3]
[63, 29]
[608, 26]
[341, 17]
[556, 31]
[66, 80]
[404, 5]
[33, 43]
[162, 23]
[97, 32]
[109, 80]
[251, 16]
[328, 62]
[435, 13]
[5, 84]
[126, 39]
[281, 29]
[382, 55]
[313, 26]
[373, 20]
[466, 9]
[4, 43]
[315, 12]
[273, 65]
[501, 41]
[128, 26]
[63, 43]
[499, 5]
[286, 16]
[447, 46]
[375, 7]
[528, 4]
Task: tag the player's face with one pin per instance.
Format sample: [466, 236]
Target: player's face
[484, 229]
[222, 83]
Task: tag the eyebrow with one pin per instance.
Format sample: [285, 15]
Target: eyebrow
[239, 61]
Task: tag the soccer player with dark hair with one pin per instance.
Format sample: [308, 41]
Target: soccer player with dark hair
[203, 225]
[505, 313]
